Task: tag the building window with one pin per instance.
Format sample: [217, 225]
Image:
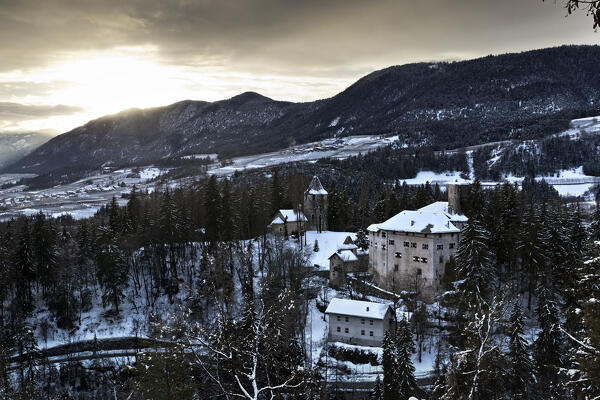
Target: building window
[383, 247]
[423, 260]
[425, 246]
[398, 254]
[396, 267]
[362, 332]
[370, 322]
[419, 272]
[406, 244]
[339, 318]
[416, 258]
[391, 242]
[362, 321]
[382, 234]
[425, 235]
[413, 245]
[370, 333]
[441, 259]
[346, 319]
[451, 246]
[440, 247]
[346, 330]
[452, 235]
[338, 329]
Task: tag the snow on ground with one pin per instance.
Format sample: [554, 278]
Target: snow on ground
[573, 190]
[80, 199]
[328, 244]
[434, 177]
[338, 148]
[568, 182]
[151, 173]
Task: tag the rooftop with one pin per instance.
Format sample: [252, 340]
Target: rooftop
[417, 222]
[345, 255]
[289, 216]
[315, 187]
[356, 308]
[442, 206]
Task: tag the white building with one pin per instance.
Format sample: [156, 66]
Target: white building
[409, 251]
[358, 322]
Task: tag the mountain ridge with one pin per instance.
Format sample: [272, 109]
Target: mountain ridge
[442, 105]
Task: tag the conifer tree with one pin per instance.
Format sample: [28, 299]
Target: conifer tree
[377, 393]
[520, 377]
[212, 206]
[474, 267]
[112, 269]
[548, 347]
[44, 250]
[531, 250]
[404, 370]
[24, 265]
[390, 385]
[362, 241]
[595, 224]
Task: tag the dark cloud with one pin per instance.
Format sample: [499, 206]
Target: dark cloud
[19, 112]
[285, 36]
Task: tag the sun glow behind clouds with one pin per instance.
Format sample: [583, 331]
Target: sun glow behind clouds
[107, 82]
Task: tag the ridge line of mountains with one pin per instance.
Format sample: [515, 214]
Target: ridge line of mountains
[441, 105]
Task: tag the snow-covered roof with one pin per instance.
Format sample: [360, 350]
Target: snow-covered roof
[350, 246]
[315, 187]
[289, 216]
[277, 221]
[442, 206]
[356, 308]
[345, 255]
[417, 222]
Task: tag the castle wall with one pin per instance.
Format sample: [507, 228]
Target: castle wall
[414, 262]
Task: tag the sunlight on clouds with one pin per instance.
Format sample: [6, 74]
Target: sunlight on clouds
[111, 81]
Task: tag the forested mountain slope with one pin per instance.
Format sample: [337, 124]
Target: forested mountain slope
[446, 105]
[13, 146]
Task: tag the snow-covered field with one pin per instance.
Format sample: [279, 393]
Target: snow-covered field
[568, 182]
[338, 148]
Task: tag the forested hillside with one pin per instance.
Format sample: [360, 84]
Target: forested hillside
[443, 105]
[519, 317]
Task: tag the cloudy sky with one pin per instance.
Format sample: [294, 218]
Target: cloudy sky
[65, 62]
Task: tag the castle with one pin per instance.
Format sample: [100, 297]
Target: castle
[409, 251]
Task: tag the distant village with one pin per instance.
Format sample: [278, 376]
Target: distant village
[406, 253]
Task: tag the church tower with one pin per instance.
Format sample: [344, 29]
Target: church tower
[315, 205]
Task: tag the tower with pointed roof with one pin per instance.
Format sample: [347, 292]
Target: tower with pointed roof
[315, 205]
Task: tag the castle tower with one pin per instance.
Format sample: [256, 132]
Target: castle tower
[454, 198]
[315, 205]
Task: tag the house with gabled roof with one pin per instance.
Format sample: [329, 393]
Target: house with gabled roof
[288, 222]
[347, 259]
[358, 322]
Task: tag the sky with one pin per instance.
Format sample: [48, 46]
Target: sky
[63, 63]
